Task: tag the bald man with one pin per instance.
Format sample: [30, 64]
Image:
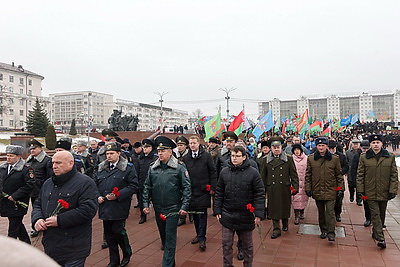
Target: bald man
[67, 235]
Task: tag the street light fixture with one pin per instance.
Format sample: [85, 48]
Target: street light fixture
[227, 91]
[161, 104]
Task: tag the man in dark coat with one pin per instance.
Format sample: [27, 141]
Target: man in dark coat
[64, 144]
[344, 165]
[215, 152]
[116, 180]
[67, 236]
[238, 208]
[281, 182]
[86, 158]
[352, 180]
[148, 156]
[40, 163]
[181, 150]
[16, 184]
[377, 180]
[324, 182]
[203, 177]
[168, 187]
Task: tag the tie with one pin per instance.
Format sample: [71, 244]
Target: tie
[9, 168]
[112, 166]
[195, 155]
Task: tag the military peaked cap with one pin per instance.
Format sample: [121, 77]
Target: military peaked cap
[163, 142]
[107, 133]
[64, 144]
[180, 139]
[113, 146]
[34, 143]
[148, 142]
[230, 136]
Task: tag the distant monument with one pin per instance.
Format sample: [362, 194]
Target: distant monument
[125, 123]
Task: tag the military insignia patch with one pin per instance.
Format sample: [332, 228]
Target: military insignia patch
[31, 174]
[108, 146]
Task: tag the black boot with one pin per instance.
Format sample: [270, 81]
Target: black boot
[302, 214]
[182, 220]
[285, 225]
[296, 217]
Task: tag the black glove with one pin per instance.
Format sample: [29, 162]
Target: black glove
[309, 193]
[339, 194]
[391, 196]
[360, 194]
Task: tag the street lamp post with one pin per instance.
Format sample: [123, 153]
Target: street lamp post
[88, 118]
[161, 104]
[227, 91]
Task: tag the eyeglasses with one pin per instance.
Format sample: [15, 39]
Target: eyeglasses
[236, 156]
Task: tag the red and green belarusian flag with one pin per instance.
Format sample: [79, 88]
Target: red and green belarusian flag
[303, 122]
[327, 131]
[316, 126]
[237, 124]
[213, 127]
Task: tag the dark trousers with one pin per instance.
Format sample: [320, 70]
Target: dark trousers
[16, 229]
[167, 230]
[326, 216]
[378, 213]
[140, 202]
[352, 190]
[227, 243]
[367, 210]
[338, 205]
[200, 223]
[116, 235]
[73, 263]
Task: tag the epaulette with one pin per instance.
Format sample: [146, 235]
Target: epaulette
[130, 164]
[77, 160]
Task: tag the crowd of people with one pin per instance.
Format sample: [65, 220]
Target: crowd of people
[242, 181]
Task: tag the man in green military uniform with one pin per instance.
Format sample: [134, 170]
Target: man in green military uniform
[377, 181]
[281, 182]
[324, 182]
[168, 186]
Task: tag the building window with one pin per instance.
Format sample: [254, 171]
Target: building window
[21, 91]
[30, 102]
[11, 100]
[11, 111]
[21, 112]
[11, 122]
[21, 81]
[11, 89]
[30, 81]
[1, 76]
[1, 122]
[21, 124]
[11, 79]
[29, 92]
[21, 102]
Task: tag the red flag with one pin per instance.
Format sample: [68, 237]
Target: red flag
[303, 120]
[237, 124]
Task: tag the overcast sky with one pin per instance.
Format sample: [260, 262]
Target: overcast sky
[190, 49]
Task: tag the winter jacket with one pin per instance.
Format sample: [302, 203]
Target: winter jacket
[167, 186]
[350, 154]
[18, 184]
[324, 176]
[238, 186]
[300, 200]
[42, 169]
[344, 163]
[123, 177]
[72, 238]
[377, 178]
[279, 175]
[144, 165]
[202, 172]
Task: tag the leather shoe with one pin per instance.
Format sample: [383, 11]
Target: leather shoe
[195, 241]
[181, 221]
[275, 235]
[351, 199]
[202, 245]
[142, 220]
[323, 235]
[367, 223]
[331, 238]
[240, 254]
[338, 219]
[112, 265]
[285, 228]
[34, 233]
[104, 245]
[125, 261]
[381, 244]
[359, 202]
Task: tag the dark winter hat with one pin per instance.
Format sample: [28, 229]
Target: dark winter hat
[137, 145]
[148, 142]
[275, 141]
[365, 144]
[126, 141]
[101, 143]
[375, 137]
[113, 146]
[213, 140]
[321, 141]
[297, 146]
[64, 144]
[107, 133]
[180, 139]
[163, 142]
[33, 143]
[265, 143]
[332, 144]
[14, 149]
[230, 136]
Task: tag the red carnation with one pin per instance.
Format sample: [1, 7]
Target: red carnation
[338, 188]
[64, 203]
[252, 209]
[163, 217]
[249, 206]
[208, 187]
[292, 189]
[116, 192]
[364, 197]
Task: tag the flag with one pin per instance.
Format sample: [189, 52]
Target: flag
[346, 121]
[237, 124]
[316, 126]
[277, 126]
[303, 121]
[354, 119]
[370, 114]
[327, 131]
[265, 124]
[284, 127]
[213, 127]
[247, 124]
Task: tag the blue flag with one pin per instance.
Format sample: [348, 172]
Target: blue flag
[346, 121]
[354, 119]
[265, 124]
